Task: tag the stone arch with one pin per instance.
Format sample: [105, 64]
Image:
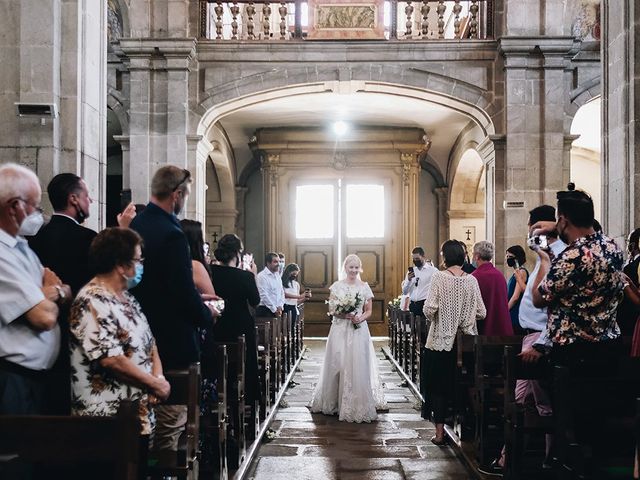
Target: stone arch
[580, 96]
[115, 101]
[467, 202]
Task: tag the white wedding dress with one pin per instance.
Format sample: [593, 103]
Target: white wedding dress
[349, 383]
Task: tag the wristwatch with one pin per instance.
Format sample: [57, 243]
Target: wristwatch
[59, 289]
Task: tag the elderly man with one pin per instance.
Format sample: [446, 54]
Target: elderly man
[29, 294]
[493, 288]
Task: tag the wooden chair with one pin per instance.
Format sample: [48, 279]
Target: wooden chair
[185, 390]
[98, 442]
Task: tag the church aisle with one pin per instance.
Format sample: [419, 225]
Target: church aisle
[314, 446]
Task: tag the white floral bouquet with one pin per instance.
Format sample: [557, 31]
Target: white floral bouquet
[344, 305]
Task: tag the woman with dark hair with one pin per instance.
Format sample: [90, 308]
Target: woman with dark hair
[201, 270]
[239, 290]
[292, 297]
[113, 353]
[516, 258]
[454, 303]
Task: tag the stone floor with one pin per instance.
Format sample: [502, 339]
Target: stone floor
[318, 447]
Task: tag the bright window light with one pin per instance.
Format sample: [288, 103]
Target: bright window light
[314, 211]
[340, 128]
[365, 211]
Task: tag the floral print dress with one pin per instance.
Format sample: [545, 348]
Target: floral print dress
[103, 326]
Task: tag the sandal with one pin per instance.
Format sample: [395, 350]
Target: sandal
[439, 443]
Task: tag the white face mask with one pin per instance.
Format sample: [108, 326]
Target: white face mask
[31, 224]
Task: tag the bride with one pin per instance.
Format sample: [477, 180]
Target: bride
[349, 382]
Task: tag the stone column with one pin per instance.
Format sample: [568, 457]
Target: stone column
[269, 169]
[409, 222]
[533, 166]
[123, 140]
[620, 126]
[159, 112]
[241, 193]
[197, 165]
[442, 194]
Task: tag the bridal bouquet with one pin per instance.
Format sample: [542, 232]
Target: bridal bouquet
[344, 305]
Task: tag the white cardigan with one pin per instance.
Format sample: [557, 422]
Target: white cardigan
[452, 303]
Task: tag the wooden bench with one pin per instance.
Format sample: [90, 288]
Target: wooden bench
[464, 420]
[274, 354]
[489, 394]
[183, 464]
[596, 420]
[94, 442]
[214, 423]
[522, 421]
[263, 341]
[236, 438]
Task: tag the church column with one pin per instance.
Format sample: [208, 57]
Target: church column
[533, 166]
[241, 194]
[442, 194]
[620, 126]
[123, 140]
[409, 225]
[159, 132]
[269, 169]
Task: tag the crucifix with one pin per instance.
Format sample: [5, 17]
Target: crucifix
[215, 237]
[468, 232]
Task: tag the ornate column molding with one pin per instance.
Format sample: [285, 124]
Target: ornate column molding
[159, 53]
[270, 164]
[538, 52]
[410, 167]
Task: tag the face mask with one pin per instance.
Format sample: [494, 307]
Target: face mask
[418, 263]
[80, 215]
[135, 280]
[31, 224]
[511, 262]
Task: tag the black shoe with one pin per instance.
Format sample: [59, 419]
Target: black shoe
[494, 469]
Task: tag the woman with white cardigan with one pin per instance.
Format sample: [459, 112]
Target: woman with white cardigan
[454, 303]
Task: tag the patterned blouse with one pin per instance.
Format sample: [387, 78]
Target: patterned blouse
[583, 288]
[104, 326]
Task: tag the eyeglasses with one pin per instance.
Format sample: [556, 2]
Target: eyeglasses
[187, 175]
[37, 208]
[139, 260]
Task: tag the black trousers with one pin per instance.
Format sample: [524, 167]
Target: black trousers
[416, 308]
[22, 391]
[262, 311]
[294, 313]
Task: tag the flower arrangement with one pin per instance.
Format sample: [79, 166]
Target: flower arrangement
[344, 305]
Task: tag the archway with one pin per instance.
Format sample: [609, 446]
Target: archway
[585, 152]
[467, 206]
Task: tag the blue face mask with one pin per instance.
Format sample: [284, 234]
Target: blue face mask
[135, 280]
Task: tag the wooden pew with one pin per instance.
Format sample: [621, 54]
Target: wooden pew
[489, 394]
[183, 464]
[523, 421]
[285, 346]
[301, 329]
[391, 327]
[263, 340]
[214, 423]
[93, 442]
[236, 438]
[405, 324]
[596, 417]
[463, 409]
[274, 354]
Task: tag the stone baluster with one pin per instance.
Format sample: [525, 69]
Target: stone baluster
[473, 21]
[283, 20]
[218, 10]
[408, 10]
[266, 21]
[425, 18]
[457, 8]
[251, 11]
[235, 10]
[441, 9]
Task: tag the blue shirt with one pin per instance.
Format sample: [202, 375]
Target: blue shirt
[21, 290]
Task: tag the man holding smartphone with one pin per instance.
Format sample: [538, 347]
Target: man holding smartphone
[417, 281]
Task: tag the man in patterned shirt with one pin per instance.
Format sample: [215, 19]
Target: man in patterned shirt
[582, 286]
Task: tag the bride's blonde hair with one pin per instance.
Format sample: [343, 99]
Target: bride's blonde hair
[352, 257]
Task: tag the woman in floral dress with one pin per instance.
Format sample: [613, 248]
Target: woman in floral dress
[113, 353]
[349, 384]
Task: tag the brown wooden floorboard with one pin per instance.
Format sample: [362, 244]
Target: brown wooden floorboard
[318, 447]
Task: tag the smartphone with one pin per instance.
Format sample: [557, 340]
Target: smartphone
[410, 269]
[247, 260]
[125, 198]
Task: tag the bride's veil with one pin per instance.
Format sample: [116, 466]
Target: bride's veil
[343, 270]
